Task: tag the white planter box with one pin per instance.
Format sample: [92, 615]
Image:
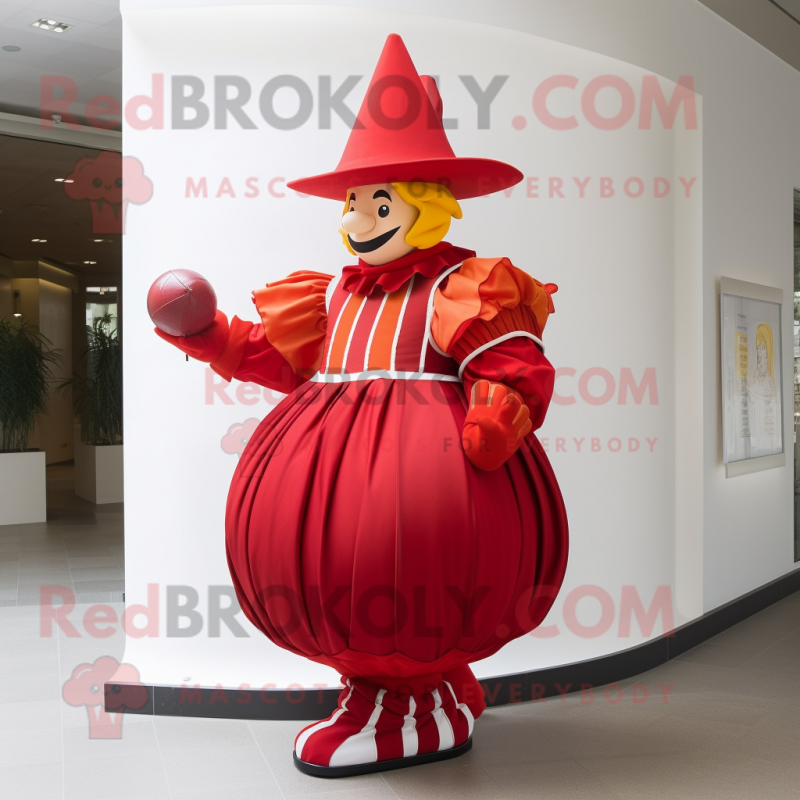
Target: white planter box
[23, 488]
[98, 472]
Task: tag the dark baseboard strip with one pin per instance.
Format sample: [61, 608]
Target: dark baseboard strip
[300, 704]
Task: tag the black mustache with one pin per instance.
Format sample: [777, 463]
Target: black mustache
[372, 244]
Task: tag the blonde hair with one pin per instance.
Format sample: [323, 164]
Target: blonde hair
[343, 233]
[436, 206]
[764, 336]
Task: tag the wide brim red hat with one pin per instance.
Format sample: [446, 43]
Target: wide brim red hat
[398, 136]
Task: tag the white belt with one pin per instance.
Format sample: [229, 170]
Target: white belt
[392, 375]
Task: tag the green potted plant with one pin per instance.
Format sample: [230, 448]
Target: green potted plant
[26, 376]
[97, 397]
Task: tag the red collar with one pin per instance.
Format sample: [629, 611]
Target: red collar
[362, 278]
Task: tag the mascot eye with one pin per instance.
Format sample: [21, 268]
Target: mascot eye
[118, 183]
[97, 183]
[383, 211]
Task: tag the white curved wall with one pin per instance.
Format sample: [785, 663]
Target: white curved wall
[636, 276]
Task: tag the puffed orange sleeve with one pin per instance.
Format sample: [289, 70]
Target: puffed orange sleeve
[284, 349]
[486, 300]
[489, 316]
[295, 318]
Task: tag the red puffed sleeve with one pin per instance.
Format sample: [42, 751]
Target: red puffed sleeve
[490, 316]
[285, 349]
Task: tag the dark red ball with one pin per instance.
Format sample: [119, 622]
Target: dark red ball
[181, 302]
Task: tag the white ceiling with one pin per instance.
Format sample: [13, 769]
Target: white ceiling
[90, 53]
[790, 7]
[772, 23]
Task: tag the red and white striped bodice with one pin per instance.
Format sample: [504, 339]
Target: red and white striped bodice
[384, 335]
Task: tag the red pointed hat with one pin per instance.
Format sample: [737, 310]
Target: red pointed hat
[398, 136]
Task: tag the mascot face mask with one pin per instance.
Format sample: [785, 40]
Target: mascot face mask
[376, 223]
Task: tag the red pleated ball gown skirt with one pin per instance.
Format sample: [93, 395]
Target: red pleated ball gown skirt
[360, 536]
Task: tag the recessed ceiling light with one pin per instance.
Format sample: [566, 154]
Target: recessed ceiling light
[11, 48]
[50, 25]
[89, 262]
[34, 240]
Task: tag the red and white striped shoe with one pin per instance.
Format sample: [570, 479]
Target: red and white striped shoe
[374, 730]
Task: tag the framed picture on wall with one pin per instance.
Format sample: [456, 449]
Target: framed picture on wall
[752, 380]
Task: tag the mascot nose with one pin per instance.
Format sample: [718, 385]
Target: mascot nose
[358, 222]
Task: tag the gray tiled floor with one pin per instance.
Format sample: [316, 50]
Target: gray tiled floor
[80, 547]
[728, 727]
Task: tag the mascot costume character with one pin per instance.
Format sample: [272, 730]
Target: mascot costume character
[394, 517]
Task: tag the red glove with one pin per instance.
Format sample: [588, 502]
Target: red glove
[496, 423]
[204, 346]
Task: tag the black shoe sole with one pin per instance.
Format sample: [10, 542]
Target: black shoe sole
[380, 766]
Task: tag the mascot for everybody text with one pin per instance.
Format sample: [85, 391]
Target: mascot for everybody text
[394, 517]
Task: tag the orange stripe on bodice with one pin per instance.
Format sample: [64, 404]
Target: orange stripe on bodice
[380, 354]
